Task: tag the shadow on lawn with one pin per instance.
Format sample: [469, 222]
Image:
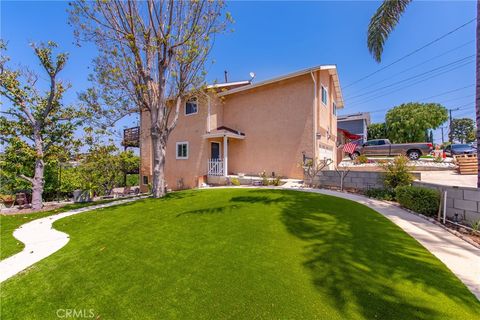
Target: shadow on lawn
[210, 210]
[258, 199]
[357, 257]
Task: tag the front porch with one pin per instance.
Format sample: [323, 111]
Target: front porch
[217, 164]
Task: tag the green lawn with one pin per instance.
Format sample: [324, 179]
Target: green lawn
[238, 253]
[8, 223]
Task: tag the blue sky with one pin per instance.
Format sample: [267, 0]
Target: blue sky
[273, 38]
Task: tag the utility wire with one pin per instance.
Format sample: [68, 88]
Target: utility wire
[447, 92]
[457, 98]
[412, 53]
[374, 97]
[415, 76]
[415, 66]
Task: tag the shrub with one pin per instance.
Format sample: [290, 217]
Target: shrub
[361, 159]
[235, 181]
[275, 181]
[264, 177]
[418, 199]
[397, 173]
[380, 193]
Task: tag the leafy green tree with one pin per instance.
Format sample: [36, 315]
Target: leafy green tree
[471, 136]
[104, 166]
[382, 24]
[408, 122]
[461, 130]
[35, 123]
[152, 54]
[377, 131]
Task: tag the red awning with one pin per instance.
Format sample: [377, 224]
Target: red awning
[349, 135]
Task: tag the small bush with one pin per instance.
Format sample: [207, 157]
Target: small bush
[397, 173]
[275, 181]
[418, 199]
[361, 159]
[264, 177]
[382, 194]
[235, 181]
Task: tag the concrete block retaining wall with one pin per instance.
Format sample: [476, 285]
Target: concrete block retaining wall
[463, 201]
[353, 180]
[360, 180]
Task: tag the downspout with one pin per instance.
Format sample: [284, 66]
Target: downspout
[315, 115]
[208, 119]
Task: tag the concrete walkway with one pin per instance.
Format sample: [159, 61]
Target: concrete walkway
[462, 258]
[41, 240]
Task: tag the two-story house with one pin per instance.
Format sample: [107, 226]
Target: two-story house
[249, 127]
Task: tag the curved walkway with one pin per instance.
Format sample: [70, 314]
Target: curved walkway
[41, 240]
[462, 258]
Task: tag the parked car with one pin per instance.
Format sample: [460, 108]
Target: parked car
[383, 147]
[456, 149]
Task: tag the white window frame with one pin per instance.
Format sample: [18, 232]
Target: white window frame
[326, 95]
[189, 101]
[176, 150]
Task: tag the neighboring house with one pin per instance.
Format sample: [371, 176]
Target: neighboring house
[356, 123]
[248, 128]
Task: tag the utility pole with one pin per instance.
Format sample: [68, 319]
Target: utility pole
[450, 127]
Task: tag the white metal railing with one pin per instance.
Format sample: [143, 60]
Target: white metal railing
[215, 167]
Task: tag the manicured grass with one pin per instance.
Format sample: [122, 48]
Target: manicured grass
[238, 253]
[8, 223]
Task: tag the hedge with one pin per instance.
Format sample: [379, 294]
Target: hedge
[418, 199]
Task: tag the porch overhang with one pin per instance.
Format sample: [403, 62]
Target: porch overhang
[224, 132]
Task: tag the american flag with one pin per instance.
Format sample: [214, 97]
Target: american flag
[349, 147]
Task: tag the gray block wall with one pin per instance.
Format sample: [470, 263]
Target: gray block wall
[360, 180]
[463, 201]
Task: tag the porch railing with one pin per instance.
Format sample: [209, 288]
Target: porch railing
[215, 167]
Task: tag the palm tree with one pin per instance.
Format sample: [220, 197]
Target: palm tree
[382, 24]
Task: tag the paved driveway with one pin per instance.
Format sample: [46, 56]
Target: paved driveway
[449, 178]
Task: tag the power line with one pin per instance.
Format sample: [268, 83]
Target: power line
[415, 76]
[447, 92]
[417, 65]
[458, 98]
[462, 107]
[412, 53]
[373, 97]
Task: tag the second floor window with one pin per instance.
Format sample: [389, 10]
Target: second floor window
[191, 106]
[334, 108]
[324, 95]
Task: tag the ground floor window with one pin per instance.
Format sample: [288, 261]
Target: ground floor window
[182, 150]
[145, 179]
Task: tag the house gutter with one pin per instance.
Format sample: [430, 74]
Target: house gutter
[315, 115]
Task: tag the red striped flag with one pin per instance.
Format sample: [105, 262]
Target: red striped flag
[349, 147]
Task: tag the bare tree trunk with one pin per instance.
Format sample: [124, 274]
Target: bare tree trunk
[38, 181]
[477, 100]
[158, 157]
[37, 185]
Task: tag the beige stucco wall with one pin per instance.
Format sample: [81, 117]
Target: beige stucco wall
[278, 125]
[278, 122]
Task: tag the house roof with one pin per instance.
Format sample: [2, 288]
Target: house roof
[331, 68]
[355, 116]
